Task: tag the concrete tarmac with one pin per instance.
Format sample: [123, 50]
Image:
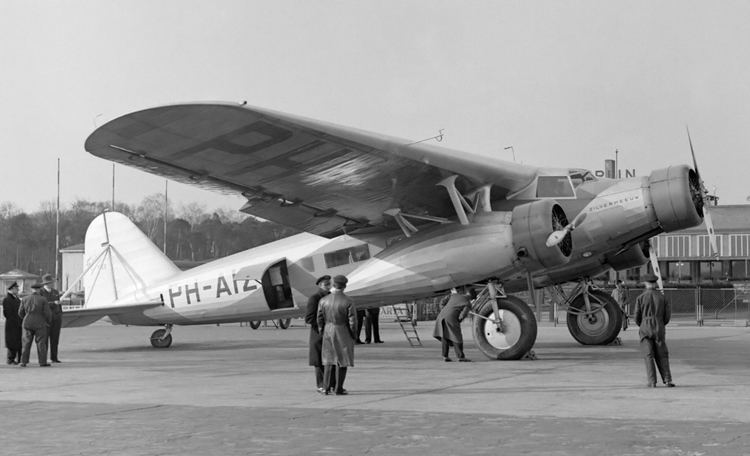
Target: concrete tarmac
[231, 390]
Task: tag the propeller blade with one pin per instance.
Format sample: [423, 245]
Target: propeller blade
[711, 234]
[557, 236]
[655, 265]
[692, 152]
[706, 214]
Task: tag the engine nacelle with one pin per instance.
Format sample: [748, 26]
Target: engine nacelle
[532, 223]
[676, 197]
[633, 257]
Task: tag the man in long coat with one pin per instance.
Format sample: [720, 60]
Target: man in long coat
[620, 295]
[36, 316]
[53, 298]
[13, 330]
[448, 324]
[652, 313]
[337, 320]
[316, 337]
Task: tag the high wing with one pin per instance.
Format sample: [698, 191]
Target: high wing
[303, 173]
[82, 317]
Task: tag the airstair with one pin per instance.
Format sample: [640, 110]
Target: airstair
[404, 318]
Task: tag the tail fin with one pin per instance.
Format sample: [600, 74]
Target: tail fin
[120, 262]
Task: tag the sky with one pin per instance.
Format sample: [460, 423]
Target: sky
[564, 83]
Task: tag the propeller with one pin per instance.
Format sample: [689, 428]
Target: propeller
[655, 265]
[559, 235]
[703, 192]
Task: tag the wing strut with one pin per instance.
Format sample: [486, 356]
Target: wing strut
[481, 197]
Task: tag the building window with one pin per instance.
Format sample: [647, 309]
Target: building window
[347, 256]
[711, 270]
[704, 245]
[739, 269]
[739, 245]
[633, 274]
[673, 246]
[678, 271]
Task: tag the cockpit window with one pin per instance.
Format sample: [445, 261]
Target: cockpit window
[554, 187]
[577, 177]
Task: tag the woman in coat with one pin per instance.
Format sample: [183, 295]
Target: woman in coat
[13, 331]
[448, 324]
[337, 320]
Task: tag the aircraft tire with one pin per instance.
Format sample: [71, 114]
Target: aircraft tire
[284, 323]
[255, 324]
[514, 339]
[599, 328]
[159, 341]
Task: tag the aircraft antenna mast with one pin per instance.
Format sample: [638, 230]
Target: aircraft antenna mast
[513, 151]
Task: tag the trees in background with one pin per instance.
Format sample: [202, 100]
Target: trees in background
[27, 241]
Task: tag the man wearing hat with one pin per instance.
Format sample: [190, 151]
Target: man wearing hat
[36, 316]
[316, 337]
[53, 298]
[13, 331]
[652, 313]
[337, 320]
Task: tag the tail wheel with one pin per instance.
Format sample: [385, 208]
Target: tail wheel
[284, 322]
[601, 325]
[255, 324]
[159, 341]
[513, 337]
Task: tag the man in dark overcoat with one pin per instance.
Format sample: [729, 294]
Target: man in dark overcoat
[13, 330]
[316, 337]
[53, 298]
[448, 324]
[337, 320]
[36, 316]
[652, 313]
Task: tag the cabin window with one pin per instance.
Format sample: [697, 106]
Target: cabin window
[554, 187]
[347, 256]
[307, 263]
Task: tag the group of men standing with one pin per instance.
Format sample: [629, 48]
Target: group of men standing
[35, 318]
[333, 329]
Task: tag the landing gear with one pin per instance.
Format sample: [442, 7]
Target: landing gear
[255, 324]
[594, 318]
[507, 332]
[284, 323]
[162, 338]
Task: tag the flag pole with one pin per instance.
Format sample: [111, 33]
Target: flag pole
[57, 225]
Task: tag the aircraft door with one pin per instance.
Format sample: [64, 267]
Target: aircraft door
[276, 286]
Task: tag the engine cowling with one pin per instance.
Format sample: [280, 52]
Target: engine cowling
[676, 197]
[633, 257]
[532, 223]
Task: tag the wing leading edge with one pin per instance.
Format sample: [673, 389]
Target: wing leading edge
[303, 173]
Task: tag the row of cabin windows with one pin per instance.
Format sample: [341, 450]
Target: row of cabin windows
[340, 257]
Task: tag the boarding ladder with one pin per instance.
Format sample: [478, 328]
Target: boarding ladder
[403, 317]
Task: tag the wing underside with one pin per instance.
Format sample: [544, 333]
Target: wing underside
[310, 175]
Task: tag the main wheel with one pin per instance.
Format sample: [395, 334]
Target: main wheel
[255, 324]
[159, 341]
[515, 335]
[601, 325]
[284, 322]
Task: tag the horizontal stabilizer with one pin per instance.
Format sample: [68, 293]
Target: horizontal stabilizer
[82, 317]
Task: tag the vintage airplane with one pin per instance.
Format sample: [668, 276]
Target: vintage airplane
[439, 218]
